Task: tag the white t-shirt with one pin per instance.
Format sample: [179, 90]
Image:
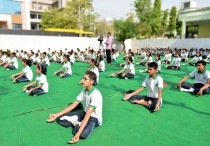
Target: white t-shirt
[102, 65]
[159, 64]
[67, 66]
[200, 78]
[130, 67]
[148, 59]
[3, 58]
[177, 61]
[72, 58]
[153, 85]
[46, 60]
[95, 70]
[196, 59]
[14, 62]
[43, 80]
[28, 72]
[168, 57]
[37, 59]
[93, 98]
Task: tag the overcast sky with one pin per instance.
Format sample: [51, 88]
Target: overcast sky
[119, 8]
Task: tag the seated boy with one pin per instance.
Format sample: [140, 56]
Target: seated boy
[154, 83]
[85, 121]
[201, 80]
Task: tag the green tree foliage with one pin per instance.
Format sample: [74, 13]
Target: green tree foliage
[172, 22]
[164, 23]
[124, 29]
[156, 18]
[102, 27]
[68, 17]
[178, 27]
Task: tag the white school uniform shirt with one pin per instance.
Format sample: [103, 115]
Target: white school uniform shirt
[184, 55]
[200, 78]
[14, 62]
[95, 70]
[43, 80]
[81, 57]
[46, 60]
[143, 54]
[7, 59]
[159, 64]
[177, 61]
[196, 59]
[102, 65]
[3, 58]
[130, 67]
[113, 57]
[54, 57]
[168, 57]
[117, 54]
[72, 58]
[93, 98]
[28, 72]
[148, 59]
[37, 59]
[153, 85]
[67, 66]
[32, 57]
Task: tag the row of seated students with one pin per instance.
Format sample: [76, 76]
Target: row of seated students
[84, 121]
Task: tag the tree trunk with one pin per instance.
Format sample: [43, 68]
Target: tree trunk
[123, 44]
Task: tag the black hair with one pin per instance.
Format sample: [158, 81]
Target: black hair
[153, 65]
[101, 57]
[130, 58]
[13, 53]
[43, 69]
[67, 57]
[158, 56]
[201, 62]
[93, 61]
[92, 76]
[27, 61]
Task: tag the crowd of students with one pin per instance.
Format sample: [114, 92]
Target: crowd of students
[84, 122]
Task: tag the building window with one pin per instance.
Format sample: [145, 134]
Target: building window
[33, 16]
[39, 16]
[34, 26]
[17, 26]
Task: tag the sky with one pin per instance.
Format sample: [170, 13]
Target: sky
[119, 8]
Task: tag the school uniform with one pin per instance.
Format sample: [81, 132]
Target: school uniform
[27, 77]
[148, 59]
[95, 70]
[184, 57]
[46, 61]
[176, 63]
[153, 86]
[41, 79]
[195, 60]
[102, 66]
[66, 66]
[36, 60]
[167, 58]
[128, 67]
[159, 65]
[14, 64]
[72, 59]
[93, 99]
[200, 79]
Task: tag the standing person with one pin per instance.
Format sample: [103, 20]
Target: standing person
[108, 48]
[85, 121]
[100, 39]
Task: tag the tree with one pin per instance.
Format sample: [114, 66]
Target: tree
[144, 13]
[178, 26]
[102, 27]
[172, 22]
[76, 12]
[164, 22]
[156, 18]
[124, 29]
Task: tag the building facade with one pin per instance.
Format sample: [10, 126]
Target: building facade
[26, 14]
[191, 15]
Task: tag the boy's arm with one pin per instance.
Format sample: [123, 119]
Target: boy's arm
[127, 96]
[204, 87]
[64, 111]
[157, 107]
[24, 88]
[184, 79]
[84, 123]
[58, 70]
[19, 75]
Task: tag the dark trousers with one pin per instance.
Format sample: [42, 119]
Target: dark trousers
[196, 87]
[129, 76]
[38, 91]
[22, 79]
[173, 67]
[65, 76]
[11, 67]
[151, 107]
[92, 123]
[108, 55]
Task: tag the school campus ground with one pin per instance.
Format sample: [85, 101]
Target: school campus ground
[183, 120]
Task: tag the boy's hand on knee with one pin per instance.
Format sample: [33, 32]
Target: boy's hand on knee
[75, 139]
[126, 97]
[157, 107]
[200, 92]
